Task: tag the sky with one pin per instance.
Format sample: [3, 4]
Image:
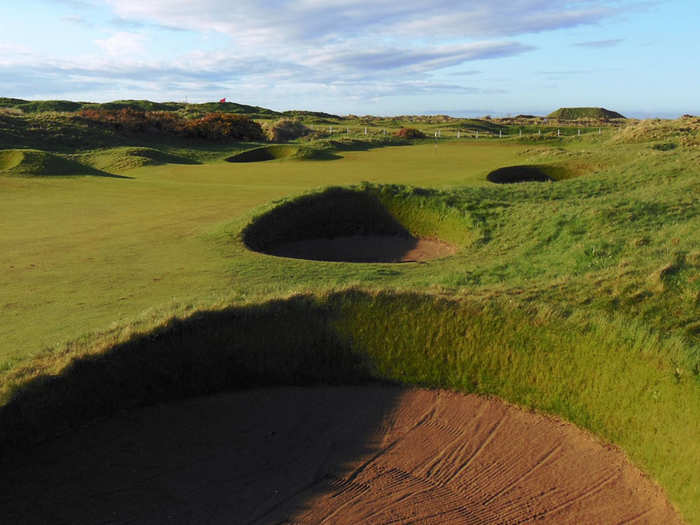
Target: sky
[380, 57]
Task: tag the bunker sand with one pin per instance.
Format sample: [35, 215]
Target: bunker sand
[365, 248]
[329, 455]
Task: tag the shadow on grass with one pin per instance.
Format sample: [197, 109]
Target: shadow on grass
[287, 342]
[335, 212]
[101, 173]
[515, 174]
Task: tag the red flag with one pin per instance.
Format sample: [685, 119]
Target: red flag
[222, 100]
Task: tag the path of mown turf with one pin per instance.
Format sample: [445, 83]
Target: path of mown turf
[329, 455]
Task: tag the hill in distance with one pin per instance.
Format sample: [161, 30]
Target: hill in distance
[39, 106]
[582, 113]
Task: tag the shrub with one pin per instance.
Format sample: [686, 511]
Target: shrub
[214, 126]
[410, 133]
[222, 126]
[11, 111]
[285, 129]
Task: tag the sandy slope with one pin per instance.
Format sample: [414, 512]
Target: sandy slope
[329, 455]
[368, 248]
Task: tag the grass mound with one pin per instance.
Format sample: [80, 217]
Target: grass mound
[125, 158]
[265, 153]
[29, 162]
[583, 113]
[682, 132]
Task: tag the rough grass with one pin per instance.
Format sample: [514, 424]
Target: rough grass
[664, 135]
[604, 373]
[583, 113]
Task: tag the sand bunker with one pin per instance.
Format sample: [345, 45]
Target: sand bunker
[339, 224]
[513, 174]
[365, 248]
[329, 455]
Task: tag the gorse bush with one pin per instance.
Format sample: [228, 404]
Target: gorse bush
[221, 126]
[410, 133]
[286, 129]
[214, 126]
[134, 120]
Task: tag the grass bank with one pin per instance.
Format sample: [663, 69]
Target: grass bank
[617, 379]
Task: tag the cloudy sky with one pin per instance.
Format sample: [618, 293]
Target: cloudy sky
[461, 57]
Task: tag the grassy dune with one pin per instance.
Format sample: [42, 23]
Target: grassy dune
[578, 297]
[37, 163]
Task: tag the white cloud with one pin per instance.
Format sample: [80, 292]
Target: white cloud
[123, 44]
[599, 43]
[362, 49]
[312, 20]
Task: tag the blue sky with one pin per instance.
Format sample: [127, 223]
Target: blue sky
[383, 57]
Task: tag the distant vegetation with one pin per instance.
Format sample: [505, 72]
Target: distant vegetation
[410, 133]
[285, 129]
[584, 113]
[213, 126]
[38, 106]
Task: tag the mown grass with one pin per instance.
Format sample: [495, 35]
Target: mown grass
[579, 297]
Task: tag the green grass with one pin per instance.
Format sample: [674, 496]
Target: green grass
[579, 297]
[585, 113]
[29, 163]
[126, 158]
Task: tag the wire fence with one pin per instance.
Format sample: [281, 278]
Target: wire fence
[458, 133]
